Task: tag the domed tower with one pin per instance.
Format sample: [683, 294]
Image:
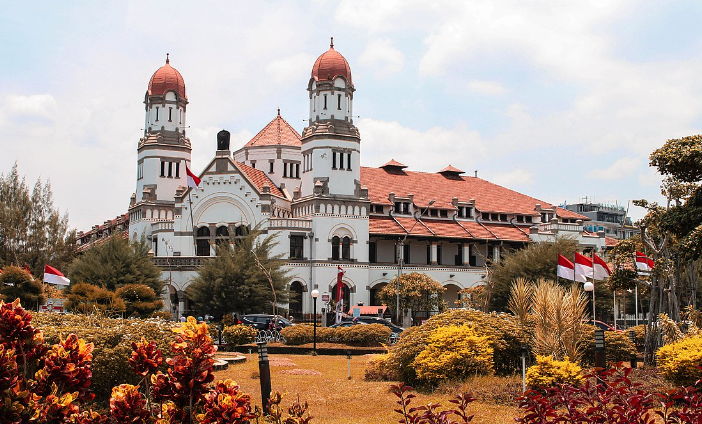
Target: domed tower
[163, 151]
[331, 143]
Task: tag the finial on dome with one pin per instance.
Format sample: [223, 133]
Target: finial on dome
[167, 60]
[278, 111]
[331, 45]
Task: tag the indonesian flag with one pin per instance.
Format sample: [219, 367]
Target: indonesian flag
[566, 270]
[54, 276]
[602, 271]
[583, 265]
[339, 294]
[193, 180]
[29, 271]
[643, 263]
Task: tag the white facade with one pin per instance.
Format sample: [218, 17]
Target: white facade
[326, 211]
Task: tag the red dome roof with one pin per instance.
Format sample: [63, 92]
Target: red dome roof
[167, 78]
[331, 64]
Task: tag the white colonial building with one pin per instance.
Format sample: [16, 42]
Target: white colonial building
[326, 209]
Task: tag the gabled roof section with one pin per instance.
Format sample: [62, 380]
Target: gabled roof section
[259, 179]
[424, 186]
[451, 171]
[277, 133]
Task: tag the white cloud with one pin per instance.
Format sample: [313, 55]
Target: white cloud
[650, 178]
[33, 106]
[490, 88]
[383, 58]
[290, 70]
[518, 178]
[621, 168]
[419, 150]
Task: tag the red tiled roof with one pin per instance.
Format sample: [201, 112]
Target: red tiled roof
[445, 228]
[565, 213]
[610, 241]
[124, 234]
[166, 78]
[443, 188]
[259, 178]
[277, 133]
[452, 170]
[394, 163]
[330, 65]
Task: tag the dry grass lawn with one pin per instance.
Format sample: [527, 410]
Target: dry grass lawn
[334, 399]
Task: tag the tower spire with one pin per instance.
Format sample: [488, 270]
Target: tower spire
[331, 45]
[167, 59]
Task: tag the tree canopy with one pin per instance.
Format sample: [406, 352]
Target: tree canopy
[16, 283]
[418, 292]
[116, 263]
[32, 230]
[233, 282]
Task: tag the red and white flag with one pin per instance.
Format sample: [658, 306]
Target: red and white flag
[193, 180]
[54, 276]
[339, 294]
[29, 271]
[566, 270]
[602, 271]
[583, 265]
[643, 263]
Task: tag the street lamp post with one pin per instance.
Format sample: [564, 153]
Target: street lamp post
[591, 287]
[402, 260]
[315, 295]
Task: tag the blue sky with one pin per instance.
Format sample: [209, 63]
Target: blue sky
[558, 100]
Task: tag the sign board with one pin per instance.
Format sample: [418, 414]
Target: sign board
[325, 297]
[356, 312]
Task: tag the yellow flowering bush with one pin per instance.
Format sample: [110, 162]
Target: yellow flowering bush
[618, 347]
[239, 334]
[679, 361]
[364, 335]
[454, 352]
[299, 334]
[547, 372]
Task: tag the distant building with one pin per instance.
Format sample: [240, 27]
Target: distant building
[612, 219]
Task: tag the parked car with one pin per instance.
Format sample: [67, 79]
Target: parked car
[262, 321]
[372, 320]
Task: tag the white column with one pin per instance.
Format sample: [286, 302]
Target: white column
[434, 253]
[466, 253]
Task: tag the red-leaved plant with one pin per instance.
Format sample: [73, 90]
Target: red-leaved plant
[431, 412]
[609, 396]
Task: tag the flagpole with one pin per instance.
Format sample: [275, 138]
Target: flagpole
[636, 303]
[192, 223]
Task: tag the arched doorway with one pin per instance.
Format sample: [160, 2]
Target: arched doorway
[295, 302]
[374, 294]
[451, 295]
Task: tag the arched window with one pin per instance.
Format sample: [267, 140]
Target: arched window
[222, 234]
[241, 231]
[203, 241]
[335, 248]
[346, 248]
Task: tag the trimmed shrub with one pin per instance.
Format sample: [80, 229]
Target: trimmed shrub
[377, 369]
[548, 372]
[112, 339]
[87, 298]
[364, 335]
[680, 361]
[640, 334]
[502, 331]
[296, 335]
[140, 300]
[454, 352]
[239, 334]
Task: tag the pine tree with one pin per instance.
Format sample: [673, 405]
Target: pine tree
[232, 282]
[116, 263]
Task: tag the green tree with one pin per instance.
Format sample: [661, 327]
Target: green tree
[418, 292]
[140, 300]
[16, 283]
[534, 262]
[32, 230]
[233, 282]
[116, 263]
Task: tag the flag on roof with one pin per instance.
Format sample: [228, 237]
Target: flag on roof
[583, 265]
[643, 263]
[602, 271]
[54, 276]
[193, 180]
